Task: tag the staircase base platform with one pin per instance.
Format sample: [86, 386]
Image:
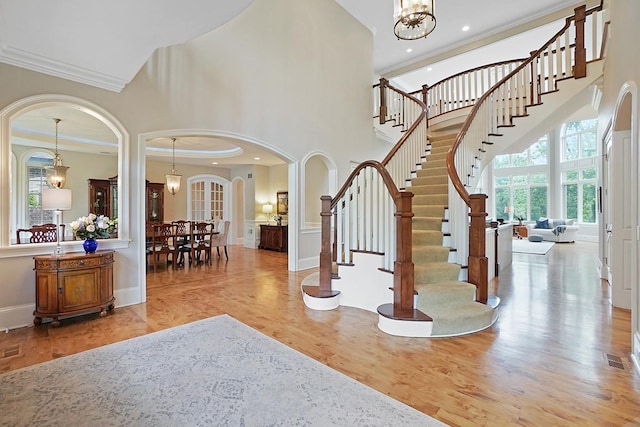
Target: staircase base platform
[316, 299]
[410, 323]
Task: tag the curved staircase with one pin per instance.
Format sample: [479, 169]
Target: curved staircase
[374, 227]
[450, 302]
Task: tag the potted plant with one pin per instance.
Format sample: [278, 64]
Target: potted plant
[520, 218]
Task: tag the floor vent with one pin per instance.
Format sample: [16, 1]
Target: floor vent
[11, 351]
[614, 361]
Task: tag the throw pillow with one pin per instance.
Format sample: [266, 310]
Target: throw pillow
[557, 222]
[542, 223]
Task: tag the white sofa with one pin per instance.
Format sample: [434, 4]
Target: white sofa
[559, 230]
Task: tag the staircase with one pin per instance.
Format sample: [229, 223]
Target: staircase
[450, 302]
[411, 233]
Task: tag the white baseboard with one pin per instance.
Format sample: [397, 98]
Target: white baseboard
[21, 316]
[307, 263]
[127, 296]
[16, 316]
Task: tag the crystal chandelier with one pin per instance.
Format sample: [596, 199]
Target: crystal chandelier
[415, 19]
[173, 180]
[57, 174]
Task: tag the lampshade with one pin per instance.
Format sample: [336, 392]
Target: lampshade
[415, 19]
[56, 199]
[508, 209]
[173, 179]
[173, 183]
[267, 208]
[57, 174]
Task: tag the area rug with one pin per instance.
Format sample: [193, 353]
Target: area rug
[524, 246]
[213, 372]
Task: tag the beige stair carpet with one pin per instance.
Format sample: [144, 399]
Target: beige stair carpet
[440, 294]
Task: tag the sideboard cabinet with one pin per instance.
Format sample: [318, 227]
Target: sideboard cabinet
[72, 284]
[273, 237]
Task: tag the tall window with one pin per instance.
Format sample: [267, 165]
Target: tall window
[36, 182]
[579, 171]
[208, 198]
[522, 180]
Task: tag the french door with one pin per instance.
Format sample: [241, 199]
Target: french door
[208, 198]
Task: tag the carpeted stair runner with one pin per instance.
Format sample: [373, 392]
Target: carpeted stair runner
[449, 302]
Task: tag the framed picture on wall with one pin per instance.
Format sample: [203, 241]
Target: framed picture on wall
[282, 204]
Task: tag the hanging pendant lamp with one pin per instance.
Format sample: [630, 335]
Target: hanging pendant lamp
[57, 174]
[173, 179]
[415, 19]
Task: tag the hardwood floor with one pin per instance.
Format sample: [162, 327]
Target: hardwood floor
[542, 364]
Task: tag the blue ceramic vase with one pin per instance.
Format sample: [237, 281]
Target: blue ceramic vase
[90, 245]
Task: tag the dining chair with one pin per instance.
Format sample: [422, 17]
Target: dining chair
[38, 234]
[163, 242]
[183, 234]
[221, 238]
[199, 242]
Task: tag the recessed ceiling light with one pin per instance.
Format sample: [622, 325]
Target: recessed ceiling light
[256, 158]
[214, 163]
[409, 50]
[465, 28]
[429, 68]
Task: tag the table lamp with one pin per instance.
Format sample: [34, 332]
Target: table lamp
[267, 208]
[56, 199]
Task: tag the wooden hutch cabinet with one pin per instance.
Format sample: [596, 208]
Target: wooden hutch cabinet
[155, 202]
[103, 196]
[72, 284]
[274, 237]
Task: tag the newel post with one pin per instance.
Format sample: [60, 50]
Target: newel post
[383, 100]
[403, 266]
[325, 251]
[478, 262]
[425, 92]
[580, 67]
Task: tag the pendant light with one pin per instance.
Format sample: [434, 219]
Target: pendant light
[57, 174]
[173, 179]
[415, 19]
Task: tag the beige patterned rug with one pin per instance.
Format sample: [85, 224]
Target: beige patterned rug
[213, 372]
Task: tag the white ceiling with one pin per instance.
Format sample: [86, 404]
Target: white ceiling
[54, 37]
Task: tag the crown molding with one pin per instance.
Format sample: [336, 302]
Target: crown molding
[42, 64]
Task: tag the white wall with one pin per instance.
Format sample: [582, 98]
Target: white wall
[622, 73]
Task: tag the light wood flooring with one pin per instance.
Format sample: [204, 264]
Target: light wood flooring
[544, 363]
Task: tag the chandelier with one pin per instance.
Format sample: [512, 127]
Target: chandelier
[173, 180]
[415, 19]
[57, 174]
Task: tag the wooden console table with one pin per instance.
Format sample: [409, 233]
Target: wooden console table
[74, 283]
[273, 237]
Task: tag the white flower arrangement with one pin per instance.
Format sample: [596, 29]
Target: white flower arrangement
[93, 227]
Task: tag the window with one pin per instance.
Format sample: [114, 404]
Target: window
[579, 140]
[536, 154]
[208, 198]
[36, 182]
[527, 193]
[579, 192]
[579, 170]
[522, 180]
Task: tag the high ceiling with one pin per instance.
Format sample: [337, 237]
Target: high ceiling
[54, 37]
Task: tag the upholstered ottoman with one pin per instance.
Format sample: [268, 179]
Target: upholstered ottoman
[535, 238]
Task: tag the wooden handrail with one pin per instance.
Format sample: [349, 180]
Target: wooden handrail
[496, 117]
[386, 178]
[457, 182]
[402, 227]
